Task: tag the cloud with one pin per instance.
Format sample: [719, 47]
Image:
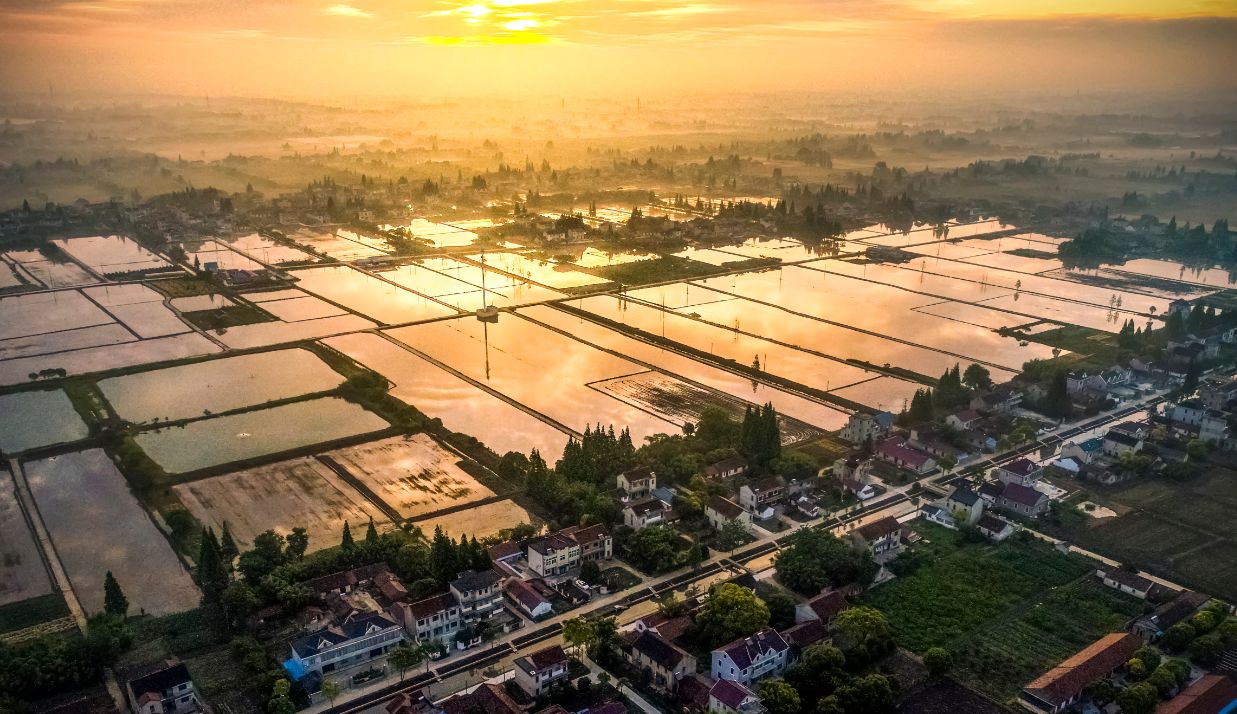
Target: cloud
[346, 11]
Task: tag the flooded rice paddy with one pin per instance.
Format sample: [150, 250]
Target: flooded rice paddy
[267, 251]
[544, 272]
[226, 439]
[32, 268]
[22, 572]
[111, 356]
[413, 475]
[219, 385]
[112, 255]
[336, 246]
[96, 525]
[299, 493]
[461, 405]
[370, 296]
[30, 420]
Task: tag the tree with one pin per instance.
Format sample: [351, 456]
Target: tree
[346, 542]
[829, 705]
[298, 543]
[1177, 637]
[938, 661]
[781, 609]
[1163, 679]
[579, 632]
[330, 690]
[114, 600]
[778, 697]
[443, 562]
[405, 657]
[977, 377]
[212, 574]
[872, 694]
[818, 672]
[654, 548]
[1196, 449]
[590, 572]
[732, 611]
[371, 533]
[862, 633]
[817, 558]
[239, 601]
[732, 535]
[671, 606]
[227, 548]
[1140, 698]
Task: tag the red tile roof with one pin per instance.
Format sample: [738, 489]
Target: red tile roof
[1206, 696]
[1099, 659]
[879, 528]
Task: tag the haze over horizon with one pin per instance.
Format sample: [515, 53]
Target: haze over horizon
[320, 48]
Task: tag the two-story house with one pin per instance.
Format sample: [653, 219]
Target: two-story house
[750, 659]
[646, 512]
[168, 689]
[559, 552]
[759, 497]
[1189, 412]
[895, 450]
[720, 510]
[727, 697]
[348, 644]
[726, 468]
[1023, 499]
[862, 426]
[637, 483]
[881, 538]
[1213, 429]
[665, 662]
[479, 594]
[432, 619]
[1118, 442]
[537, 673]
[1021, 471]
[964, 503]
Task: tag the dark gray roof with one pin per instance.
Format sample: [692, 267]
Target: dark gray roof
[473, 580]
[1121, 438]
[160, 681]
[745, 651]
[657, 649]
[329, 637]
[965, 496]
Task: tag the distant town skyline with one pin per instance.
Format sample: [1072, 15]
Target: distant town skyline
[312, 48]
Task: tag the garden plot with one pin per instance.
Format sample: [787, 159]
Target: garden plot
[97, 359]
[481, 521]
[414, 475]
[113, 255]
[246, 435]
[197, 303]
[29, 420]
[301, 493]
[96, 526]
[683, 403]
[458, 403]
[219, 385]
[22, 573]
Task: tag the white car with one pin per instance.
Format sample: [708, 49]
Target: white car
[582, 585]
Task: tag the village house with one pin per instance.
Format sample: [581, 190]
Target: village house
[964, 419]
[965, 504]
[994, 528]
[559, 552]
[720, 511]
[527, 599]
[861, 427]
[1020, 471]
[1058, 688]
[1118, 442]
[646, 512]
[990, 491]
[881, 538]
[750, 659]
[1152, 626]
[807, 506]
[504, 556]
[933, 443]
[1023, 499]
[432, 619]
[1211, 693]
[1082, 452]
[664, 662]
[1214, 429]
[896, 451]
[1187, 411]
[1127, 581]
[726, 468]
[413, 702]
[489, 698]
[1218, 394]
[479, 594]
[537, 673]
[804, 635]
[859, 489]
[823, 608]
[341, 646]
[935, 514]
[727, 697]
[759, 497]
[167, 689]
[637, 483]
[1001, 399]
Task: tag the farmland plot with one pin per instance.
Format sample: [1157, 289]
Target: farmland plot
[22, 574]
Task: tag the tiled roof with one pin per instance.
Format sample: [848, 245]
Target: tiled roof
[486, 699]
[647, 505]
[638, 474]
[991, 523]
[1100, 658]
[524, 594]
[502, 551]
[693, 690]
[329, 637]
[432, 604]
[743, 652]
[611, 707]
[661, 651]
[964, 495]
[731, 694]
[548, 657]
[896, 449]
[767, 484]
[805, 634]
[724, 506]
[161, 680]
[1023, 495]
[1178, 609]
[828, 604]
[730, 464]
[879, 528]
[470, 580]
[1022, 467]
[1121, 437]
[1127, 578]
[1206, 696]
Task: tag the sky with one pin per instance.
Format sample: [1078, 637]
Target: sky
[411, 48]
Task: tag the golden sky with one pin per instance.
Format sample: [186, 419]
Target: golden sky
[306, 48]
